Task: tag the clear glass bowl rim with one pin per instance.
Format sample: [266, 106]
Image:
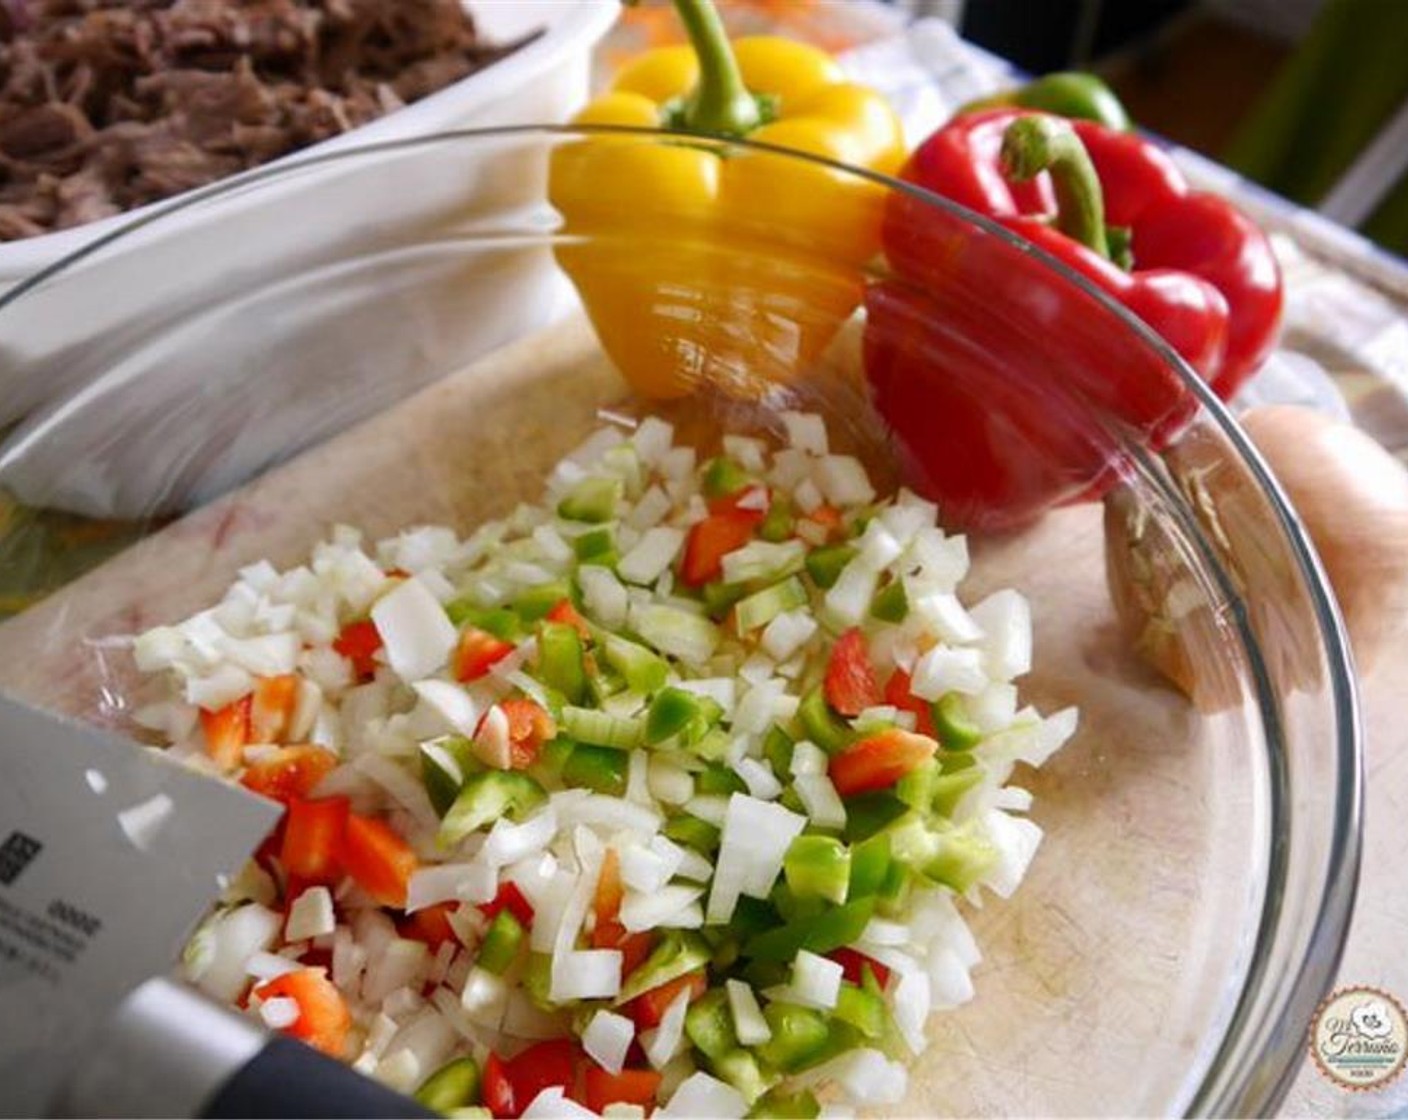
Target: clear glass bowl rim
[1229, 1086]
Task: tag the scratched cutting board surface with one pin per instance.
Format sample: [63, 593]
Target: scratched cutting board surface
[1102, 979]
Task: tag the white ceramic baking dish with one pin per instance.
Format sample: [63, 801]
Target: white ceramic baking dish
[541, 83]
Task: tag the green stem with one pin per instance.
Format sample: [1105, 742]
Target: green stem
[1034, 144]
[721, 104]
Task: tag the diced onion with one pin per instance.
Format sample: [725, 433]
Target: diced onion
[553, 1104]
[607, 1039]
[748, 1022]
[816, 981]
[415, 630]
[806, 431]
[652, 554]
[759, 778]
[1016, 840]
[661, 1044]
[311, 915]
[508, 842]
[1006, 621]
[641, 911]
[823, 804]
[279, 1012]
[943, 669]
[703, 1096]
[755, 836]
[843, 480]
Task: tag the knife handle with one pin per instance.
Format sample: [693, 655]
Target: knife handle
[287, 1078]
[169, 1051]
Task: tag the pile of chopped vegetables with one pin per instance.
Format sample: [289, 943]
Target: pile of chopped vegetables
[657, 795]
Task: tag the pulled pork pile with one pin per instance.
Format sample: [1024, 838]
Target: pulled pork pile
[107, 106]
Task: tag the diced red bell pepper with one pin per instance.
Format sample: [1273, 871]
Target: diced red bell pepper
[313, 832]
[359, 642]
[567, 614]
[850, 681]
[529, 727]
[430, 925]
[648, 1008]
[630, 1086]
[712, 539]
[323, 1018]
[511, 1086]
[607, 930]
[272, 710]
[854, 963]
[378, 859]
[478, 652]
[879, 761]
[289, 772]
[898, 695]
[226, 732]
[510, 897]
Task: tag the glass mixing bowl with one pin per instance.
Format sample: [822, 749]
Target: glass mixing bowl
[223, 382]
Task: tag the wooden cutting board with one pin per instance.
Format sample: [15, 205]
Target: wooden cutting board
[1129, 917]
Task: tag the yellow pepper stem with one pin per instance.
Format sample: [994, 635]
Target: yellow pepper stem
[720, 104]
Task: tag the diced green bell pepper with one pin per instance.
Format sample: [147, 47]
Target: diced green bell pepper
[675, 712]
[719, 597]
[718, 780]
[723, 477]
[761, 607]
[445, 765]
[955, 727]
[861, 1009]
[870, 812]
[552, 758]
[802, 1105]
[825, 564]
[677, 952]
[534, 602]
[642, 669]
[588, 725]
[777, 749]
[798, 1035]
[501, 943]
[890, 603]
[740, 1069]
[596, 546]
[779, 523]
[818, 867]
[454, 1085]
[600, 769]
[694, 833]
[537, 980]
[822, 726]
[486, 797]
[593, 499]
[949, 789]
[498, 621]
[560, 663]
[838, 926]
[709, 1024]
[870, 861]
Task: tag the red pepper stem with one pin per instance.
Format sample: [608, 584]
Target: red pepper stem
[720, 104]
[1037, 143]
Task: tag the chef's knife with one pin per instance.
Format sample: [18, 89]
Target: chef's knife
[109, 856]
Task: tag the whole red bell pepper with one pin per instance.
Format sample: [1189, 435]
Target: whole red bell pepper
[996, 424]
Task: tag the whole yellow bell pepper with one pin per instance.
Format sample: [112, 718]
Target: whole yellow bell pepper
[706, 261]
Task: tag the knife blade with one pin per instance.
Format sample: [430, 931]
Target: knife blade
[110, 855]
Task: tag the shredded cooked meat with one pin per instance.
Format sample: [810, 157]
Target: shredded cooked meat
[108, 106]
